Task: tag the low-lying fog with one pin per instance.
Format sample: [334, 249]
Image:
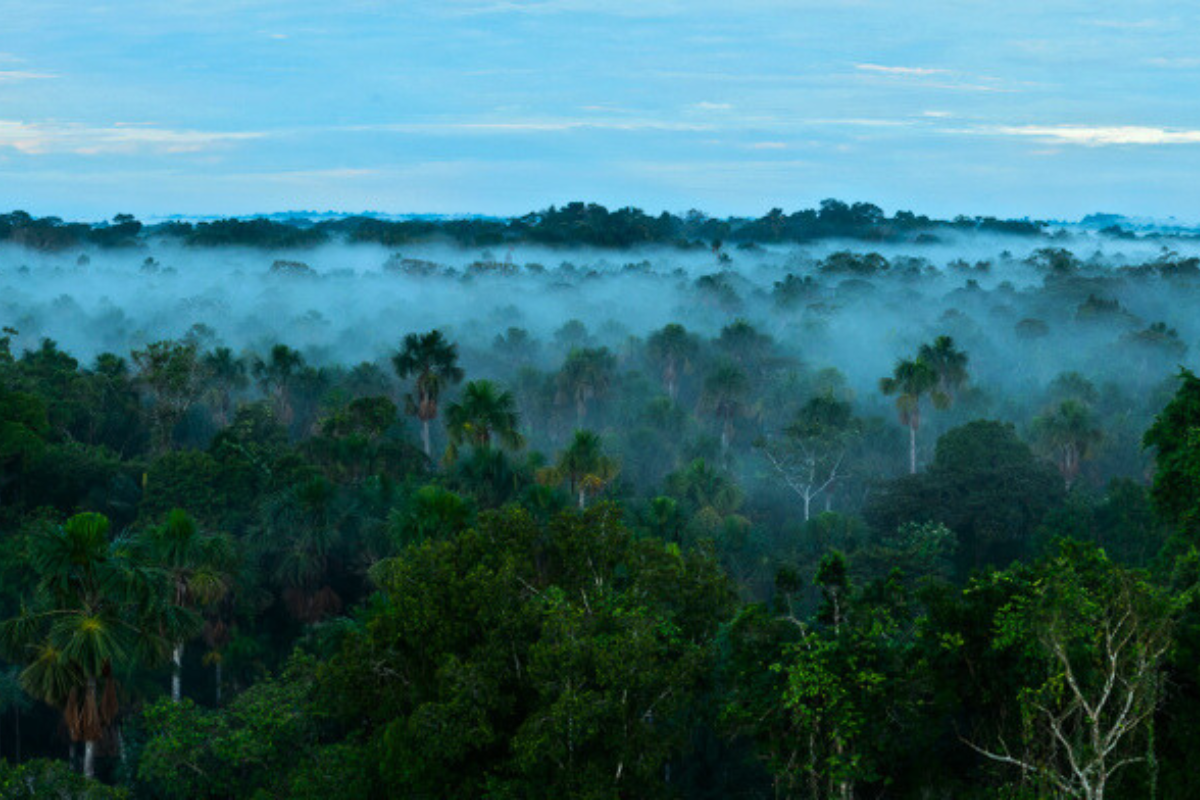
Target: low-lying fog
[1020, 321]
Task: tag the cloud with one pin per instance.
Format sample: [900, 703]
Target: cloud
[15, 75]
[707, 106]
[1093, 135]
[547, 125]
[38, 138]
[1181, 62]
[919, 72]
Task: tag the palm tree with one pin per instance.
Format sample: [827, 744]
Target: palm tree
[583, 466]
[225, 374]
[587, 373]
[949, 364]
[910, 381]
[199, 569]
[724, 395]
[434, 362]
[672, 350]
[96, 612]
[1067, 434]
[277, 376]
[484, 412]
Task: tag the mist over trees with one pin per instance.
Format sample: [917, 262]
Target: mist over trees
[598, 504]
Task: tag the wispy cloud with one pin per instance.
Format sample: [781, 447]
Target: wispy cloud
[709, 106]
[900, 71]
[1179, 62]
[931, 78]
[1093, 135]
[15, 75]
[39, 138]
[545, 125]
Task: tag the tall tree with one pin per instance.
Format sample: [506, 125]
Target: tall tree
[199, 568]
[1067, 434]
[949, 364]
[485, 412]
[97, 612]
[725, 391]
[809, 456]
[277, 375]
[583, 465]
[225, 375]
[672, 350]
[169, 373]
[910, 381]
[433, 361]
[1094, 637]
[585, 375]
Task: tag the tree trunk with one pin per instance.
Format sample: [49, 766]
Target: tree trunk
[89, 759]
[177, 672]
[217, 669]
[807, 504]
[425, 438]
[912, 450]
[581, 499]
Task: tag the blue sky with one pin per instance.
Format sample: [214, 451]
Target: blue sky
[1048, 109]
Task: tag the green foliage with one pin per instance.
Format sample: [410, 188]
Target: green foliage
[253, 745]
[521, 661]
[1175, 437]
[40, 779]
[985, 485]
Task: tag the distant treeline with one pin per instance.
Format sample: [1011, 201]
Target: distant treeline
[574, 224]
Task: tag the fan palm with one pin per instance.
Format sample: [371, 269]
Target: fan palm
[96, 612]
[586, 374]
[910, 381]
[949, 364]
[482, 414]
[199, 570]
[584, 467]
[672, 350]
[434, 363]
[1067, 434]
[724, 395]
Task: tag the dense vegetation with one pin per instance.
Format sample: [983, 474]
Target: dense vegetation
[801, 524]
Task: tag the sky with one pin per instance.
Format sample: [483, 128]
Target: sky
[1050, 109]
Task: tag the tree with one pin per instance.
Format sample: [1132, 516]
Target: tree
[433, 361]
[225, 375]
[97, 612]
[23, 428]
[169, 372]
[725, 391]
[672, 350]
[1097, 634]
[484, 412]
[1175, 437]
[948, 363]
[1067, 434]
[584, 467]
[984, 484]
[517, 659]
[199, 568]
[277, 376]
[586, 374]
[810, 455]
[910, 381]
